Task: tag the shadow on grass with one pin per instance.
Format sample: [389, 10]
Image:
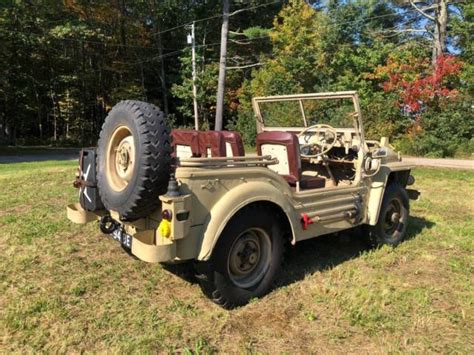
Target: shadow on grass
[317, 254]
[328, 251]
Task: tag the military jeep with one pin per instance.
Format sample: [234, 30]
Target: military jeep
[185, 195]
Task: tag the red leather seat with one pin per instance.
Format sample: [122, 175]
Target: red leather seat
[290, 142]
[235, 141]
[188, 138]
[211, 142]
[292, 172]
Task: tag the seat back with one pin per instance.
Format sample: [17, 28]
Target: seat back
[211, 144]
[234, 147]
[285, 147]
[185, 143]
[191, 143]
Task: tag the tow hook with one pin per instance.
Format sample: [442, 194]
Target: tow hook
[108, 225]
[413, 194]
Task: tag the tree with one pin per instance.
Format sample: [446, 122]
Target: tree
[431, 19]
[222, 66]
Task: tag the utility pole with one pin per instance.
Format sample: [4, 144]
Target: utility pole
[222, 66]
[192, 40]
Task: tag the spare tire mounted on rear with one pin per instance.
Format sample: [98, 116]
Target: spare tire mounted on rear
[134, 159]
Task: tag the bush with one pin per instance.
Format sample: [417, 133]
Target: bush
[383, 117]
[445, 132]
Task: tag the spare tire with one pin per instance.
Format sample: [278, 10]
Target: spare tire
[134, 159]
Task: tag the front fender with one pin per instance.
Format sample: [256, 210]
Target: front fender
[377, 188]
[233, 201]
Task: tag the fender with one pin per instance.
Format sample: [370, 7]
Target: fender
[377, 189]
[232, 202]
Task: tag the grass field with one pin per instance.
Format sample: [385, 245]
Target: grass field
[66, 288]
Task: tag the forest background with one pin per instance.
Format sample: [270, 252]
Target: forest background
[64, 64]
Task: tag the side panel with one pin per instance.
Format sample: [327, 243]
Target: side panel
[233, 201]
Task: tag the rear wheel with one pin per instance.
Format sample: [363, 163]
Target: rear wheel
[391, 227]
[246, 259]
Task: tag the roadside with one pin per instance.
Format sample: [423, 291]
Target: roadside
[431, 162]
[36, 154]
[440, 163]
[33, 154]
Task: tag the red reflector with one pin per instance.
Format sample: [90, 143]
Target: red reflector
[166, 214]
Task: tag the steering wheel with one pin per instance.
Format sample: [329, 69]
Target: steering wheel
[321, 143]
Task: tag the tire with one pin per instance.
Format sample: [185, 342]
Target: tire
[134, 159]
[229, 283]
[391, 227]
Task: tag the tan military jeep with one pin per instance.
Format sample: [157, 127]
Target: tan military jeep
[169, 196]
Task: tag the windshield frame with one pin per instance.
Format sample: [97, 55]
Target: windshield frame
[352, 95]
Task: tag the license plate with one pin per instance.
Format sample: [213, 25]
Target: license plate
[123, 238]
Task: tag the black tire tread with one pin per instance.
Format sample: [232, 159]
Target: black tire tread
[374, 239]
[155, 163]
[205, 271]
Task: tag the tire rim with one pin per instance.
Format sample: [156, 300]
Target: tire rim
[393, 219]
[120, 158]
[249, 257]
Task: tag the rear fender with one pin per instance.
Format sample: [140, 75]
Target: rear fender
[236, 199]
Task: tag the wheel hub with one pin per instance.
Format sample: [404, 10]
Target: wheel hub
[247, 255]
[392, 218]
[249, 258]
[123, 158]
[120, 158]
[395, 218]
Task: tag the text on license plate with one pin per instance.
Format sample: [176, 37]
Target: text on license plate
[123, 238]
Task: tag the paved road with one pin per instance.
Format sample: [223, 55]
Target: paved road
[72, 154]
[441, 163]
[23, 157]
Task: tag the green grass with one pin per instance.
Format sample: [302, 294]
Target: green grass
[66, 288]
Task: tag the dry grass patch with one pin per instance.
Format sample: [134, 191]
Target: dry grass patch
[66, 288]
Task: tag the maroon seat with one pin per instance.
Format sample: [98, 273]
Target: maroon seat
[289, 168]
[187, 138]
[213, 142]
[290, 142]
[235, 141]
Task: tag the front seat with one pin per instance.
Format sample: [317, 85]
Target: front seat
[286, 148]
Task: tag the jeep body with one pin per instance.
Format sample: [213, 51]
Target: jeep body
[312, 194]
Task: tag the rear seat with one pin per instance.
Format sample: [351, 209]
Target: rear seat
[185, 143]
[234, 146]
[191, 143]
[211, 144]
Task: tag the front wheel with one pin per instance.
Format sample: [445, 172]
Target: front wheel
[246, 259]
[391, 227]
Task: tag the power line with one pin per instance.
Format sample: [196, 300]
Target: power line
[176, 52]
[216, 16]
[80, 40]
[156, 33]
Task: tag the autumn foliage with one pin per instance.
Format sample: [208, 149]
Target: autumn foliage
[417, 84]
